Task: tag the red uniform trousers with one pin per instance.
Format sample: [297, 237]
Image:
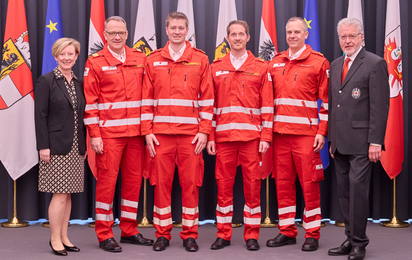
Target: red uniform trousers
[128, 153]
[294, 154]
[176, 149]
[227, 157]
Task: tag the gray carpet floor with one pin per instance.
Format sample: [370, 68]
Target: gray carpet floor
[32, 243]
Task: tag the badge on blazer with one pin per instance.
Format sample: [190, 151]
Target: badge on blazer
[356, 93]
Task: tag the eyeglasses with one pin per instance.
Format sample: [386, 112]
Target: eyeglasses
[113, 34]
[350, 36]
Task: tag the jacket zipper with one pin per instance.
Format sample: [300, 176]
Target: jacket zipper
[307, 114]
[294, 80]
[243, 88]
[185, 79]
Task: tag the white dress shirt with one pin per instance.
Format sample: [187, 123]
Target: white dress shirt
[121, 57]
[237, 62]
[176, 54]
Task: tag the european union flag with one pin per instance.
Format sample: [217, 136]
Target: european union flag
[53, 31]
[311, 18]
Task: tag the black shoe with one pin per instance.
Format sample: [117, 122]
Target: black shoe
[71, 248]
[344, 249]
[357, 253]
[220, 243]
[160, 244]
[190, 245]
[252, 244]
[311, 244]
[137, 239]
[110, 245]
[281, 240]
[58, 252]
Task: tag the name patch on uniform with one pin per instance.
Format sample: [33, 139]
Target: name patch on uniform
[86, 72]
[191, 63]
[279, 65]
[109, 68]
[160, 63]
[139, 66]
[319, 167]
[221, 72]
[328, 73]
[251, 74]
[269, 77]
[356, 93]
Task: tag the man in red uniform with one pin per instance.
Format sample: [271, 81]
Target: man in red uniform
[177, 112]
[300, 78]
[113, 80]
[243, 120]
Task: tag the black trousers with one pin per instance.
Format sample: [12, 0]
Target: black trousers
[353, 174]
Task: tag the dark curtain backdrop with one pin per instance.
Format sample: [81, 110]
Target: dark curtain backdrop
[32, 205]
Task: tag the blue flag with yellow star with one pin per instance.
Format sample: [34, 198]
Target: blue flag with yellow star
[311, 18]
[53, 31]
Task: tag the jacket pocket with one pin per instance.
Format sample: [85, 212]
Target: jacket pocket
[360, 124]
[54, 128]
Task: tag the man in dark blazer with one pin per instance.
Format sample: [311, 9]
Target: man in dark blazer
[358, 111]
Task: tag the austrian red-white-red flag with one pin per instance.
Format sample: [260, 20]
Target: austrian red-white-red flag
[186, 7]
[96, 29]
[268, 43]
[96, 43]
[17, 135]
[392, 157]
[268, 47]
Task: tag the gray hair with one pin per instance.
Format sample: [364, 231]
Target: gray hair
[293, 19]
[114, 18]
[350, 21]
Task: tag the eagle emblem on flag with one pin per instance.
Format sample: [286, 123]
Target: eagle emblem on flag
[393, 57]
[143, 45]
[222, 49]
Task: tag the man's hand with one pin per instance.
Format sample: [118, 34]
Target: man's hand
[263, 146]
[375, 153]
[211, 148]
[319, 143]
[97, 144]
[45, 155]
[330, 151]
[201, 140]
[150, 141]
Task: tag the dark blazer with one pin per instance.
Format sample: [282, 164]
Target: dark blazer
[358, 108]
[54, 115]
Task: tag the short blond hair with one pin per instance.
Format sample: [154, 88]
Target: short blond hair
[177, 16]
[62, 43]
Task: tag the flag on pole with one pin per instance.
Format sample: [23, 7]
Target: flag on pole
[310, 16]
[227, 13]
[186, 7]
[96, 43]
[392, 157]
[17, 136]
[355, 11]
[144, 33]
[53, 31]
[96, 29]
[268, 47]
[268, 43]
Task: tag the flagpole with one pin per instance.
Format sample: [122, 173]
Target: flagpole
[15, 222]
[267, 222]
[394, 222]
[145, 222]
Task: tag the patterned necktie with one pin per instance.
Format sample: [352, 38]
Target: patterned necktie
[345, 69]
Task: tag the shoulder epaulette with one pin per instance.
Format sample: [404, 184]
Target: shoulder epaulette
[317, 53]
[260, 59]
[218, 60]
[279, 53]
[95, 54]
[138, 50]
[157, 50]
[199, 50]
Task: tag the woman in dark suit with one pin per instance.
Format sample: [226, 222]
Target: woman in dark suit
[60, 135]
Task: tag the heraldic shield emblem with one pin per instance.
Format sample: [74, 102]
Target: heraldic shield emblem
[222, 49]
[15, 57]
[143, 45]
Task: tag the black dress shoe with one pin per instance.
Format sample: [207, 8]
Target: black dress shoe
[190, 245]
[160, 244]
[344, 249]
[220, 243]
[281, 240]
[252, 244]
[71, 248]
[110, 245]
[58, 252]
[137, 239]
[311, 244]
[357, 253]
